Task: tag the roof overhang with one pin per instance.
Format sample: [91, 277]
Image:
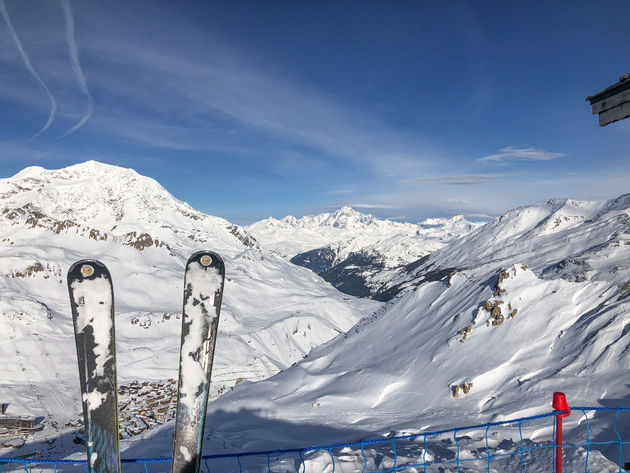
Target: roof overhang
[613, 103]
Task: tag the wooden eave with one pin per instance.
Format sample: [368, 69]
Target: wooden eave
[623, 84]
[613, 103]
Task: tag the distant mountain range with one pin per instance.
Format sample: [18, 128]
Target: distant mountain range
[357, 253]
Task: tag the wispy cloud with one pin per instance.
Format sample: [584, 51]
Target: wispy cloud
[340, 192]
[373, 206]
[435, 199]
[76, 67]
[511, 153]
[458, 200]
[30, 67]
[232, 93]
[460, 179]
[178, 97]
[483, 216]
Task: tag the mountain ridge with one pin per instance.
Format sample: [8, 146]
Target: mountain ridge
[357, 253]
[490, 340]
[273, 312]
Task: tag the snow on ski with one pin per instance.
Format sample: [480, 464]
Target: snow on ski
[92, 303]
[203, 291]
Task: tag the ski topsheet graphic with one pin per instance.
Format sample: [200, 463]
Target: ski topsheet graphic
[203, 291]
[92, 302]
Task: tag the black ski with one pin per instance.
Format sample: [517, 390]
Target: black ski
[92, 303]
[203, 291]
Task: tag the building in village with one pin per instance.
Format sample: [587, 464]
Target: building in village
[16, 423]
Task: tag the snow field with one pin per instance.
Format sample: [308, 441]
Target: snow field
[267, 300]
[538, 304]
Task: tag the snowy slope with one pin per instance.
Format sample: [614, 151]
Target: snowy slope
[540, 303]
[273, 312]
[484, 329]
[357, 253]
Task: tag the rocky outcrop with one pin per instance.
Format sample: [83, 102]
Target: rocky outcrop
[494, 306]
[33, 217]
[142, 241]
[503, 275]
[36, 269]
[496, 314]
[29, 271]
[571, 269]
[244, 237]
[461, 389]
[464, 333]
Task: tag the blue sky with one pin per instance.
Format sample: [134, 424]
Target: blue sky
[250, 109]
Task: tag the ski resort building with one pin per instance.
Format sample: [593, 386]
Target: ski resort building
[613, 103]
[15, 422]
[18, 422]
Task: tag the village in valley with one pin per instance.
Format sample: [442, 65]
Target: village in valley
[141, 406]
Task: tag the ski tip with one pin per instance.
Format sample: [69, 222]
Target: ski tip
[87, 269]
[207, 259]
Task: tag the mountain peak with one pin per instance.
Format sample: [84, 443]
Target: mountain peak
[92, 193]
[346, 210]
[90, 167]
[346, 217]
[30, 171]
[106, 203]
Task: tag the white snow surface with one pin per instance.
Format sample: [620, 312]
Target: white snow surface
[539, 303]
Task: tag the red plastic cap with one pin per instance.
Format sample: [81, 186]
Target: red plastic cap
[560, 404]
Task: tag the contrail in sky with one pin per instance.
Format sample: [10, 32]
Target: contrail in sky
[29, 66]
[76, 66]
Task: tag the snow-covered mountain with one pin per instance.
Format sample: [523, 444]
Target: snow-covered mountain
[535, 301]
[483, 329]
[273, 312]
[291, 236]
[357, 253]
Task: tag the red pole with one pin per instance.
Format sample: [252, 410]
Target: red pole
[560, 404]
[558, 444]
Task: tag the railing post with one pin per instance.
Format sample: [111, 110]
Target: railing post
[560, 404]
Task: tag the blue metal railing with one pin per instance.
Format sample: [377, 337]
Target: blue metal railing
[420, 443]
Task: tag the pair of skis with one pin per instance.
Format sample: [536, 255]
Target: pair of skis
[92, 303]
